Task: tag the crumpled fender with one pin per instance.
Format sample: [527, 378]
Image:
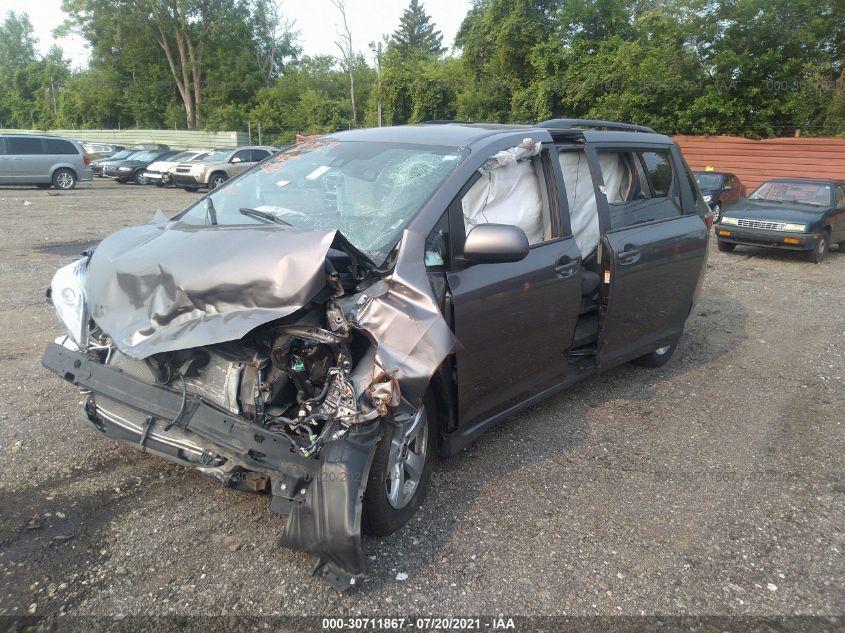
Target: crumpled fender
[328, 523]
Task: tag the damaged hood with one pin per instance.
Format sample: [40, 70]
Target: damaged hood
[162, 287]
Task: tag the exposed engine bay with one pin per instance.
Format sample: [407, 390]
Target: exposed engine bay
[271, 387]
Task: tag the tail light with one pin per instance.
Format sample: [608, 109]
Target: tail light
[86, 159]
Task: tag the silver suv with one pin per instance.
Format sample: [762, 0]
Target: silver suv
[43, 161]
[217, 166]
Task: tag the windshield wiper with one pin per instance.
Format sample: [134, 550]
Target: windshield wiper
[264, 215]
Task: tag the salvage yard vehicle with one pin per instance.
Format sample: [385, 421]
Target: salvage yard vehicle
[720, 190]
[216, 167]
[43, 161]
[159, 173]
[132, 169]
[321, 326]
[102, 150]
[99, 164]
[793, 214]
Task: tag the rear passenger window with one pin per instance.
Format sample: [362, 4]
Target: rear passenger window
[259, 154]
[640, 187]
[58, 146]
[659, 170]
[23, 145]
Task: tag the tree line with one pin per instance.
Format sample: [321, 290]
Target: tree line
[756, 68]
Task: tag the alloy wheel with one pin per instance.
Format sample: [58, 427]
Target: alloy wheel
[64, 180]
[408, 453]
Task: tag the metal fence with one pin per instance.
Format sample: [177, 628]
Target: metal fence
[176, 139]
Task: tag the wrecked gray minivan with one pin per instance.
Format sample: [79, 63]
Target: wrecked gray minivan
[319, 327]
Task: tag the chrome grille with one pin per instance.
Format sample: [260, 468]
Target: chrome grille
[760, 224]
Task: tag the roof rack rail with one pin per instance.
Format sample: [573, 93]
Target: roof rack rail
[444, 122]
[593, 124]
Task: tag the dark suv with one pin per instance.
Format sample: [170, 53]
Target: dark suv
[320, 326]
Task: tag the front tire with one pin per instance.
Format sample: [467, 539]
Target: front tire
[658, 357]
[191, 189]
[401, 473]
[216, 180]
[818, 254]
[64, 179]
[140, 178]
[725, 247]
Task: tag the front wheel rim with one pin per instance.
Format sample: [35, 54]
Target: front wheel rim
[216, 182]
[64, 180]
[408, 453]
[662, 350]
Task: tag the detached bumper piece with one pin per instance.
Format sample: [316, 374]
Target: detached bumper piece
[767, 239]
[157, 176]
[322, 497]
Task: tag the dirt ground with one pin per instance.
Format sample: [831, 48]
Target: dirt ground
[714, 485]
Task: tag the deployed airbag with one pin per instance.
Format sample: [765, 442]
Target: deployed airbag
[508, 192]
[581, 196]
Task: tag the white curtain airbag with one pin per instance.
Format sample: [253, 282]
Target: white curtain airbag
[581, 196]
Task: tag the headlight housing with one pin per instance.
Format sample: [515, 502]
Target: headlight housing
[707, 198]
[798, 228]
[67, 293]
[731, 221]
[124, 169]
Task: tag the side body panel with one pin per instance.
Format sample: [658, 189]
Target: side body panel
[655, 272]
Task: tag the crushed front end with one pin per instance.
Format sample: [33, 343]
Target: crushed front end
[285, 389]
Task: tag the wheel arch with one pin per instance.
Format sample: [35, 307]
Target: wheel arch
[66, 166]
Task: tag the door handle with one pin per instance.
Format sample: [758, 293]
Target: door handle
[629, 255]
[566, 267]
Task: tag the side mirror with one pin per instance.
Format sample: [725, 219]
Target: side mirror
[494, 243]
[236, 159]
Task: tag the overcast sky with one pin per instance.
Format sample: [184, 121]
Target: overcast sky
[316, 20]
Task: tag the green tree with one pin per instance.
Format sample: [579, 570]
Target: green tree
[416, 35]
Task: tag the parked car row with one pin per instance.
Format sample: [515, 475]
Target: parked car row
[191, 170]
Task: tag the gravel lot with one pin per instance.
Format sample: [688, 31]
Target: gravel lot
[715, 485]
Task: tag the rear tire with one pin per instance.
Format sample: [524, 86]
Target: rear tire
[64, 179]
[393, 495]
[725, 247]
[658, 357]
[818, 254]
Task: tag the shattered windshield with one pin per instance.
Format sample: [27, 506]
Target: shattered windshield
[368, 191]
